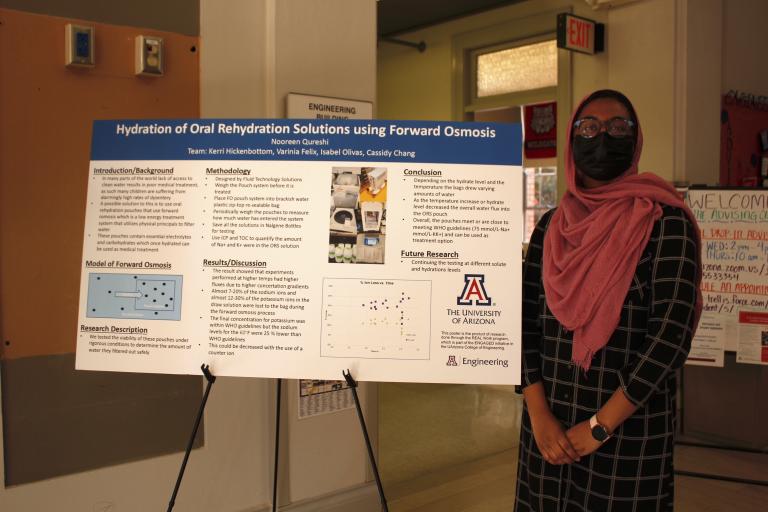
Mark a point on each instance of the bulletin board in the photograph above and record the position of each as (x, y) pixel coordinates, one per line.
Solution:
(725, 406)
(734, 257)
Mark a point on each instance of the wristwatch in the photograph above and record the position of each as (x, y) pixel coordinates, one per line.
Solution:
(599, 431)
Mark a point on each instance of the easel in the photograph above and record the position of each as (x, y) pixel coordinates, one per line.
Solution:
(211, 379)
(353, 386)
(351, 383)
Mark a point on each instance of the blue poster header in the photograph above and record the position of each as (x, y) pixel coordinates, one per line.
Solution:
(308, 139)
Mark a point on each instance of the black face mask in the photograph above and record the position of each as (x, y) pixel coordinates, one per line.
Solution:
(603, 157)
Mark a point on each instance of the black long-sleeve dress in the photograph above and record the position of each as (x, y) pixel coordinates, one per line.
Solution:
(632, 471)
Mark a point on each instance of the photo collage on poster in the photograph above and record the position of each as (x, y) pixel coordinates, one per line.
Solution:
(358, 215)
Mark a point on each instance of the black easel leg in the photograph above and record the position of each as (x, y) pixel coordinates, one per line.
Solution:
(353, 386)
(211, 379)
(277, 444)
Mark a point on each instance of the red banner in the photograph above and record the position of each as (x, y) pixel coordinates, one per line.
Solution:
(541, 130)
(743, 141)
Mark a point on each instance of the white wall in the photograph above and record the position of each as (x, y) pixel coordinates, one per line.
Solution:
(255, 52)
(235, 66)
(325, 48)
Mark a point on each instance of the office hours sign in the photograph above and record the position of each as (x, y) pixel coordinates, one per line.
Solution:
(300, 248)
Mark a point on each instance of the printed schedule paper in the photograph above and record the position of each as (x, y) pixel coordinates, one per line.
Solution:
(301, 248)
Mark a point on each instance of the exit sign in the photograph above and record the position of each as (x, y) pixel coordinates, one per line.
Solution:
(580, 34)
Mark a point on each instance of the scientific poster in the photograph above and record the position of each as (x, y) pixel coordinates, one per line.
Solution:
(300, 248)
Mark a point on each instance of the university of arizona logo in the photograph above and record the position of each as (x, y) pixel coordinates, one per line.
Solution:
(543, 119)
(451, 361)
(474, 291)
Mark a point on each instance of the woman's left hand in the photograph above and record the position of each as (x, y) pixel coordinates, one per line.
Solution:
(580, 436)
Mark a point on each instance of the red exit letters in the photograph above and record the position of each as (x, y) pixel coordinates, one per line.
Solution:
(580, 34)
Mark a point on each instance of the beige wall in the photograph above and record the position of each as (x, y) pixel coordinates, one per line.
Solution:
(668, 56)
(697, 95)
(720, 47)
(251, 52)
(641, 63)
(744, 32)
(673, 58)
(415, 85)
(47, 106)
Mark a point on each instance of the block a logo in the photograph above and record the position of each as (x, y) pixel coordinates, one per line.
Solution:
(474, 291)
(451, 361)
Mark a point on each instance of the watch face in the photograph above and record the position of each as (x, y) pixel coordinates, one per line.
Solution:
(599, 433)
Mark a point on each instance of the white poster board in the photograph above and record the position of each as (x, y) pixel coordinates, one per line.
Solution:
(298, 249)
(734, 254)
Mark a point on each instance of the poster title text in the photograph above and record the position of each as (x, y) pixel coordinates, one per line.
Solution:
(245, 129)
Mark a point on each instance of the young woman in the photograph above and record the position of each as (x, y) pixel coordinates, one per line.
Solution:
(610, 303)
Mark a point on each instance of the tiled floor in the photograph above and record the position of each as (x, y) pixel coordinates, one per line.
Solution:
(485, 485)
(488, 485)
(453, 448)
(426, 427)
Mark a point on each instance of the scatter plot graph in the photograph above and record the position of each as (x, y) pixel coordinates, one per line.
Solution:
(139, 296)
(376, 318)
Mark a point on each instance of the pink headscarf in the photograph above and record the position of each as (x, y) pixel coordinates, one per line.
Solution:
(593, 244)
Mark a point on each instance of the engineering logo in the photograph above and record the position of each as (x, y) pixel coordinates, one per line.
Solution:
(474, 291)
(451, 361)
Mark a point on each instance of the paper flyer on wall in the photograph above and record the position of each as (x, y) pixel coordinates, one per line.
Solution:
(753, 337)
(708, 346)
(317, 397)
(300, 248)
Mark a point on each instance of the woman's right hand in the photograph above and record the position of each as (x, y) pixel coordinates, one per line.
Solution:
(551, 439)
